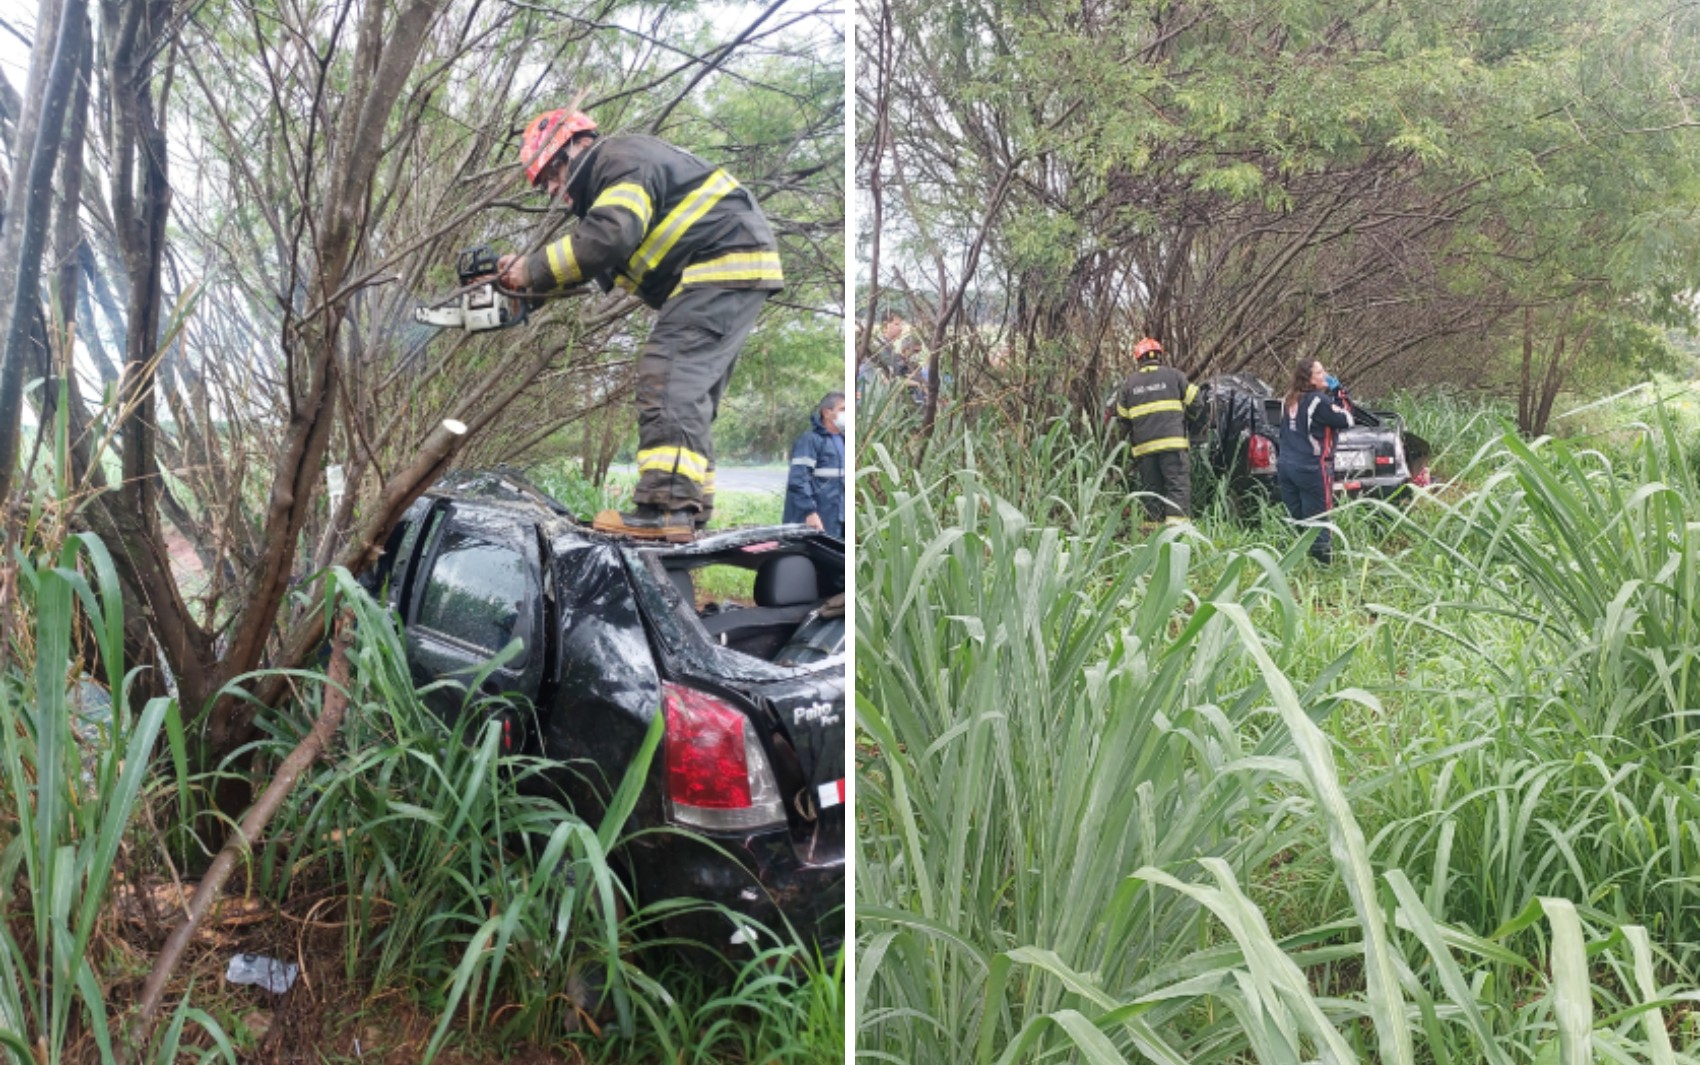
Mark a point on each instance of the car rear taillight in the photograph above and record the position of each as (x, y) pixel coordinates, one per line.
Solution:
(717, 773)
(1257, 452)
(1384, 460)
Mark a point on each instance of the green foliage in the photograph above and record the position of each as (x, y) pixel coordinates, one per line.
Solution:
(783, 373)
(460, 885)
(1582, 790)
(1475, 724)
(563, 480)
(784, 1007)
(1253, 180)
(1022, 750)
(72, 781)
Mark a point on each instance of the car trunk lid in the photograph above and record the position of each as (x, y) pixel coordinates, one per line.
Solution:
(806, 715)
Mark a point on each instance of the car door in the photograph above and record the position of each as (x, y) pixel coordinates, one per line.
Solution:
(478, 588)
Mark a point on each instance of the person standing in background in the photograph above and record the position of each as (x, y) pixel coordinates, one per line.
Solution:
(814, 495)
(1304, 464)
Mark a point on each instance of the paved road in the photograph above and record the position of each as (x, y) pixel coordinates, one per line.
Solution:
(739, 478)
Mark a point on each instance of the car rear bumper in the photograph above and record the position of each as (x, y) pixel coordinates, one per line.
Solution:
(1344, 487)
(760, 878)
(1372, 487)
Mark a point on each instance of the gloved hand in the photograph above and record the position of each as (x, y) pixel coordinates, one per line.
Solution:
(1333, 383)
(514, 273)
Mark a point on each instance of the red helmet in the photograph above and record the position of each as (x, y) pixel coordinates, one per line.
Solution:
(1147, 347)
(547, 135)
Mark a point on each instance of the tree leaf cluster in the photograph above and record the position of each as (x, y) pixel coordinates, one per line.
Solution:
(1390, 188)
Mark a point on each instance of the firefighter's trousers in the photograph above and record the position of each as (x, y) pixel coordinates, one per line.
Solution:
(682, 373)
(1169, 475)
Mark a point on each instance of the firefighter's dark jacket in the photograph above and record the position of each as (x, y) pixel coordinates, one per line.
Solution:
(1153, 403)
(654, 218)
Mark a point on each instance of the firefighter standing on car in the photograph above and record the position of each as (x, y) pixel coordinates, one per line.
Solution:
(1153, 405)
(1304, 463)
(689, 241)
(814, 492)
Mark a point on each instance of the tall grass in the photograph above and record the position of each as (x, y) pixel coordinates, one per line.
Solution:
(69, 796)
(1084, 765)
(459, 883)
(1577, 774)
(466, 881)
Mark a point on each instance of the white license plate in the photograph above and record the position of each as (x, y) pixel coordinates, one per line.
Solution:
(1354, 459)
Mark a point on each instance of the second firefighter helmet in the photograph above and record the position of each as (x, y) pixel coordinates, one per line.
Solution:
(548, 136)
(1146, 348)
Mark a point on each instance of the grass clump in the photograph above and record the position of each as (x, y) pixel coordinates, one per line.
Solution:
(1458, 760)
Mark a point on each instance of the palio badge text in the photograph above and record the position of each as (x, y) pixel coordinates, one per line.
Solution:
(815, 713)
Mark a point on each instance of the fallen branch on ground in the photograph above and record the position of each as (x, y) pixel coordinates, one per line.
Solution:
(254, 823)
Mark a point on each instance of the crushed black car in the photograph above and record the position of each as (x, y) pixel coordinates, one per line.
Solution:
(1377, 457)
(749, 780)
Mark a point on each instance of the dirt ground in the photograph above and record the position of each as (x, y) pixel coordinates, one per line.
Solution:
(323, 1017)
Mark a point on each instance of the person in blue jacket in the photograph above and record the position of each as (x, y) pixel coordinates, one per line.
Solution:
(814, 495)
(1304, 463)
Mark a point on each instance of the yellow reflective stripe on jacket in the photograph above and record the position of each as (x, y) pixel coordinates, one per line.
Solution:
(683, 461)
(681, 218)
(632, 197)
(1162, 443)
(562, 263)
(1191, 394)
(738, 266)
(1154, 407)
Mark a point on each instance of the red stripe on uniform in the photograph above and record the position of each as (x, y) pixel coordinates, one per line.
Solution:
(1327, 477)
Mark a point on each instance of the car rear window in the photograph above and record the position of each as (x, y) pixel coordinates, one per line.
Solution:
(475, 592)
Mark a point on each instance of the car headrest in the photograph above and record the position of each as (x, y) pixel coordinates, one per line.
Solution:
(786, 580)
(687, 588)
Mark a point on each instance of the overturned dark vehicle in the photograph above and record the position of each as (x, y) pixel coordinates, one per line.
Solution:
(1377, 457)
(749, 779)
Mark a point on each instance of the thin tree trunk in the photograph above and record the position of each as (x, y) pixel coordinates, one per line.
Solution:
(384, 58)
(955, 305)
(1557, 373)
(1525, 388)
(30, 207)
(67, 242)
(876, 180)
(436, 455)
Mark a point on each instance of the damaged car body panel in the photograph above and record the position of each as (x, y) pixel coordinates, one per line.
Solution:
(748, 785)
(605, 689)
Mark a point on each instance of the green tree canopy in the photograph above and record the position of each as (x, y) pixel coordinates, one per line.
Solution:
(1389, 187)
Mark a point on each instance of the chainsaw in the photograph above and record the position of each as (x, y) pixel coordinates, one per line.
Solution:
(479, 304)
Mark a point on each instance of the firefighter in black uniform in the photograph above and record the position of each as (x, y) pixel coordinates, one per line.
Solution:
(688, 240)
(1154, 404)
